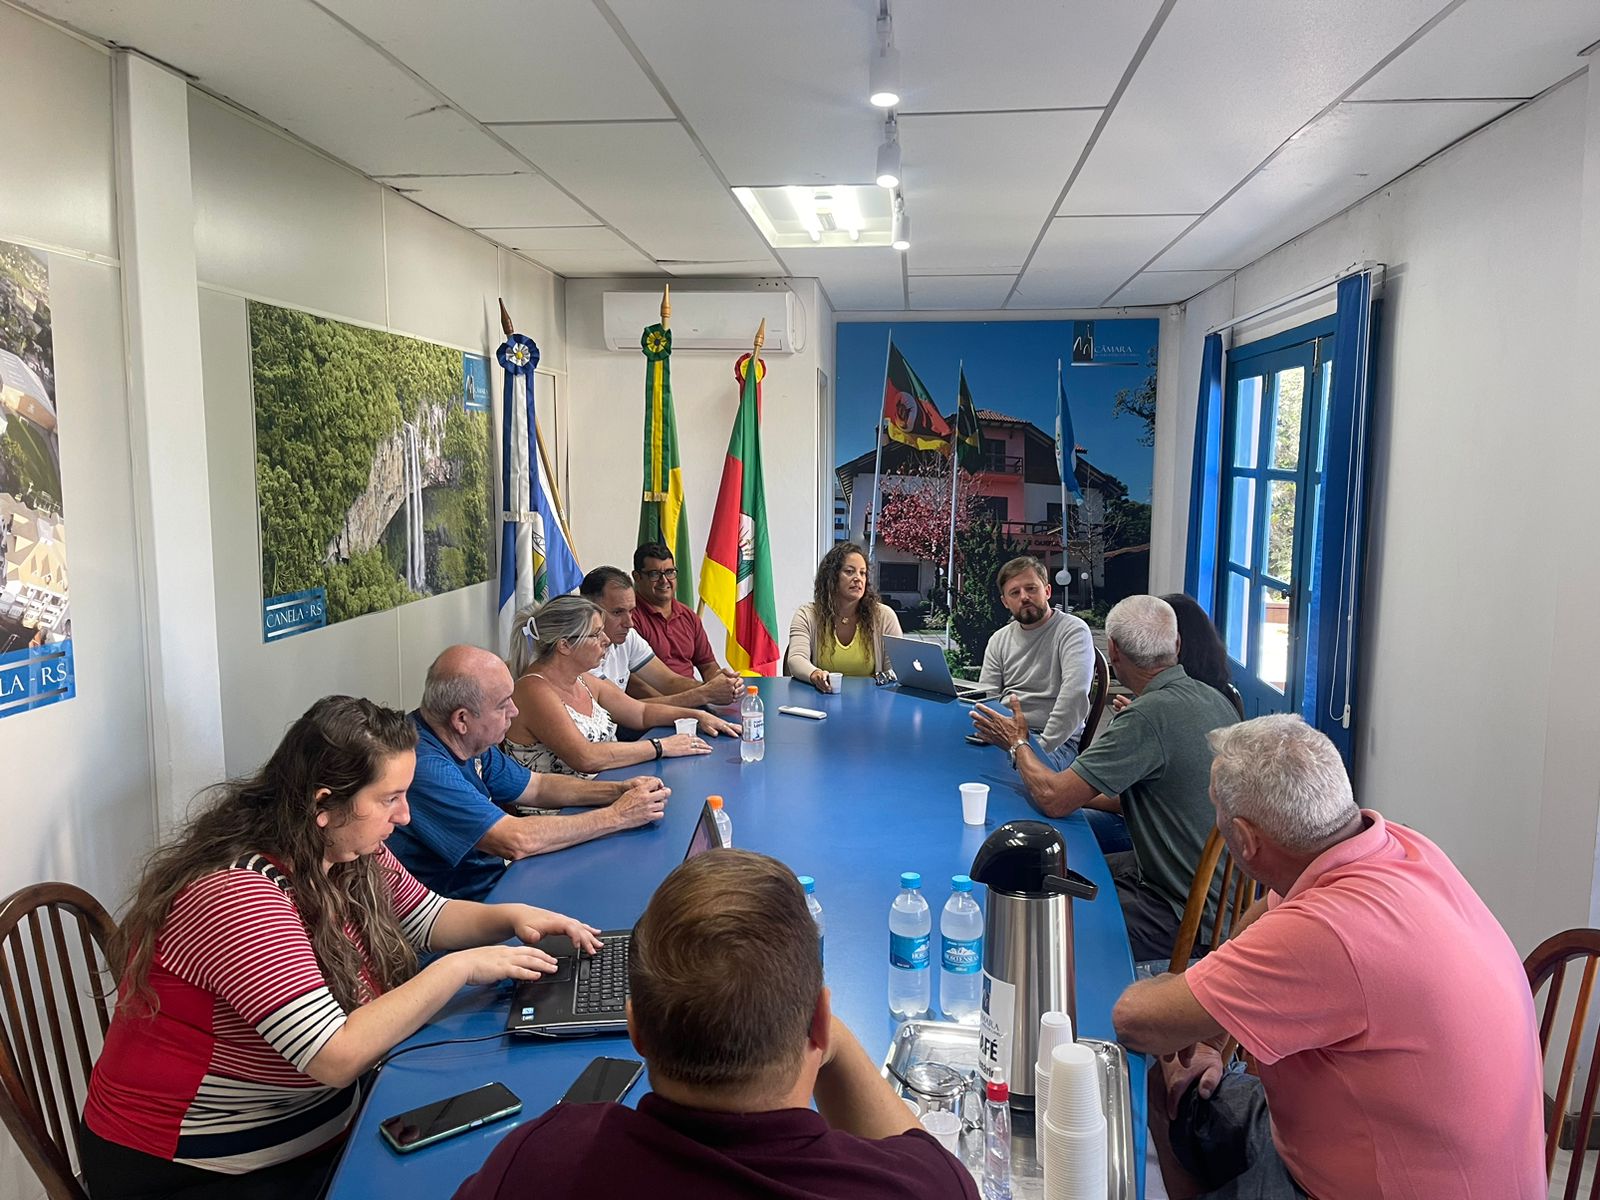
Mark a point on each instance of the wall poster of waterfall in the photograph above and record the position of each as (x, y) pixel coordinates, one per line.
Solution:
(373, 477)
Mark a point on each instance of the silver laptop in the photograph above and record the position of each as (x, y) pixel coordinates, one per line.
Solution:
(921, 667)
(587, 993)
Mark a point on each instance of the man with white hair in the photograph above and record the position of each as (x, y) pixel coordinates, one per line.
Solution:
(1151, 765)
(1376, 991)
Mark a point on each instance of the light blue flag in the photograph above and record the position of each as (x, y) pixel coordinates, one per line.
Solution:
(536, 558)
(1066, 448)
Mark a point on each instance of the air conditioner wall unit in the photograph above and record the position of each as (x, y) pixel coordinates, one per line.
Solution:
(725, 321)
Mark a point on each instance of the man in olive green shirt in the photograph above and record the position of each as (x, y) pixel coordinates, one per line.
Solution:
(1152, 765)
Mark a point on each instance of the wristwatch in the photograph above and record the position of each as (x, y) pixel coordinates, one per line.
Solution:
(656, 742)
(1012, 751)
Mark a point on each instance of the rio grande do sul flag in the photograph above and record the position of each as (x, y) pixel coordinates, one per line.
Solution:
(736, 574)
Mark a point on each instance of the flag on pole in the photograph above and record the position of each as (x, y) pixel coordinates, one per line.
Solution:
(663, 514)
(736, 573)
(912, 416)
(968, 440)
(536, 558)
(1066, 451)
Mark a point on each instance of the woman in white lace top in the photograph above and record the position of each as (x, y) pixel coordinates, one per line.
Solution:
(567, 718)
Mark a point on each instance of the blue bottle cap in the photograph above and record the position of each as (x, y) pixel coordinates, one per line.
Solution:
(960, 883)
(807, 883)
(910, 879)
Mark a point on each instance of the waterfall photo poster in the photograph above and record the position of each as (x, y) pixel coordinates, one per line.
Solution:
(373, 480)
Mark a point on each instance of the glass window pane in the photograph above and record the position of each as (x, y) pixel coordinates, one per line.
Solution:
(1273, 669)
(1280, 531)
(1246, 420)
(1289, 393)
(1322, 423)
(1241, 520)
(1238, 618)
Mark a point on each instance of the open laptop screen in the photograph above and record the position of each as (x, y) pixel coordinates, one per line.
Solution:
(705, 834)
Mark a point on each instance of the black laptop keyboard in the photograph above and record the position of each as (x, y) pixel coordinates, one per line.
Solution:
(603, 979)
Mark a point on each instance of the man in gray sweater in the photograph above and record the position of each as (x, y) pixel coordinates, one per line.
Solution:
(1045, 657)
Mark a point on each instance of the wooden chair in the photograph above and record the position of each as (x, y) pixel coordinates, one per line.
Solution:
(1099, 692)
(52, 1023)
(1237, 893)
(1549, 962)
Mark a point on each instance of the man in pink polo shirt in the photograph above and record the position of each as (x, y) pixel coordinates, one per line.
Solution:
(1387, 1009)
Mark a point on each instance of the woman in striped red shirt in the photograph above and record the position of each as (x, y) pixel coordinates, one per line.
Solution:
(271, 958)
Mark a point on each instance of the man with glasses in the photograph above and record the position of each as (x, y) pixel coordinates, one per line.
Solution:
(671, 627)
(630, 663)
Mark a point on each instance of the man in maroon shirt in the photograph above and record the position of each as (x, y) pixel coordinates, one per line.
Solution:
(729, 1012)
(671, 627)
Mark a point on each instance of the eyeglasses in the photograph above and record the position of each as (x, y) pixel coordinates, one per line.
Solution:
(653, 576)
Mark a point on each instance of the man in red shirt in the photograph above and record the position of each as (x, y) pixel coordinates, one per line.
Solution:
(671, 627)
(1387, 1010)
(728, 1009)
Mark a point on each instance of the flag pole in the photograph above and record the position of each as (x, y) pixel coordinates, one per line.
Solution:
(1063, 456)
(877, 461)
(955, 482)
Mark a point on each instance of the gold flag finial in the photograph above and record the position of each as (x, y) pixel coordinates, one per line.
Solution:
(761, 338)
(666, 304)
(505, 320)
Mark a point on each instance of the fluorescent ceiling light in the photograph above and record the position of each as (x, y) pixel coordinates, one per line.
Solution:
(821, 217)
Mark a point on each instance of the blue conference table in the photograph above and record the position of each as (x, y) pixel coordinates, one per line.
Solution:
(852, 800)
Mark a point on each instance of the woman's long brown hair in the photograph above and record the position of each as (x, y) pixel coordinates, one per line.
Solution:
(828, 571)
(341, 744)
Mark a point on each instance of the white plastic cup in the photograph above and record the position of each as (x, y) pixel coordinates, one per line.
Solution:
(1074, 1163)
(946, 1128)
(1075, 1102)
(1055, 1029)
(687, 726)
(916, 1109)
(974, 802)
(835, 682)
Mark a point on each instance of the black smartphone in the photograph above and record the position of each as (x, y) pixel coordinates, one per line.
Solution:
(445, 1118)
(974, 740)
(604, 1080)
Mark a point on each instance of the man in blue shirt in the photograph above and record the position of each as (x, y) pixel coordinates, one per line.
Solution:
(463, 829)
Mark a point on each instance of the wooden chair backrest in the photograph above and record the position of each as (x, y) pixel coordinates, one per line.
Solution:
(1099, 692)
(1549, 962)
(53, 1019)
(1237, 893)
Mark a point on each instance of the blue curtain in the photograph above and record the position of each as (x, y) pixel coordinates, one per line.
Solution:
(1200, 564)
(1333, 622)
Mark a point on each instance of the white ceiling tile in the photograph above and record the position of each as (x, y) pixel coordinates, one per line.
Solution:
(978, 187)
(750, 266)
(854, 278)
(578, 264)
(1223, 85)
(1055, 54)
(1166, 287)
(1491, 48)
(485, 201)
(959, 291)
(1350, 153)
(558, 237)
(776, 92)
(297, 67)
(576, 68)
(1082, 260)
(648, 181)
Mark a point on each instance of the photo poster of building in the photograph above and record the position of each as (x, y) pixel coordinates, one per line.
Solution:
(35, 613)
(374, 484)
(1011, 503)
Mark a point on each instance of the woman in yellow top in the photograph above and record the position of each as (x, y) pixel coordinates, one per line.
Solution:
(843, 628)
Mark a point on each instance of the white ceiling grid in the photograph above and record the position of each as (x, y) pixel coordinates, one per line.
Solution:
(600, 137)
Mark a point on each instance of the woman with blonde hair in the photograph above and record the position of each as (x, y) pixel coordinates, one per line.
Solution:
(843, 627)
(567, 716)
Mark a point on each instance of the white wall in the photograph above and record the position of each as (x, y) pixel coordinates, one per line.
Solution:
(1479, 713)
(606, 463)
(276, 221)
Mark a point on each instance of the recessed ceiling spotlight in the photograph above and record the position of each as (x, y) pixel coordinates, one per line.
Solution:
(889, 156)
(884, 75)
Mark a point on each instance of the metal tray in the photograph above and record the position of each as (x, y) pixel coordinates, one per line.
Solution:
(957, 1046)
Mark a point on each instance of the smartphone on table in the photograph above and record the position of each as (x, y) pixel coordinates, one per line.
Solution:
(604, 1080)
(434, 1122)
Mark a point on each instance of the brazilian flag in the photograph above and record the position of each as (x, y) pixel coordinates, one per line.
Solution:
(663, 515)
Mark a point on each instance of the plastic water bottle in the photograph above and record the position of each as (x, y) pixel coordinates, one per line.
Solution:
(961, 953)
(723, 820)
(910, 935)
(753, 723)
(814, 906)
(997, 1142)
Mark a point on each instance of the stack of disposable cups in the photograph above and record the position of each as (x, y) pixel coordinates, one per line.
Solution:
(1055, 1029)
(1072, 1132)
